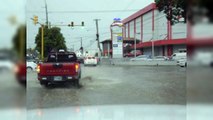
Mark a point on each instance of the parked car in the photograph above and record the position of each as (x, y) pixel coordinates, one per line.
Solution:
(31, 65)
(90, 61)
(141, 58)
(132, 53)
(178, 56)
(160, 58)
(60, 67)
(182, 62)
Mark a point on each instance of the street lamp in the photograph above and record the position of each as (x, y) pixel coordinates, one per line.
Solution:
(135, 43)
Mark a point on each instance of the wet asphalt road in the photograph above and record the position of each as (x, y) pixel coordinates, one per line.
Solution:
(113, 85)
(12, 94)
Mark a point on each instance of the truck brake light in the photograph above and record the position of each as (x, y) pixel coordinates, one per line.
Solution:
(38, 68)
(76, 67)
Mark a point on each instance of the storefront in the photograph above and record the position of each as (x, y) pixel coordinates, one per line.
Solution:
(155, 32)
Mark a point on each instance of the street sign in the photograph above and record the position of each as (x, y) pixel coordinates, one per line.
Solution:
(115, 45)
(117, 39)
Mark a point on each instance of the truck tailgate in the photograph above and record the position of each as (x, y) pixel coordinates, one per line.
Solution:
(57, 69)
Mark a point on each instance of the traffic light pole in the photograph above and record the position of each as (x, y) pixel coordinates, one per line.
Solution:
(22, 42)
(35, 20)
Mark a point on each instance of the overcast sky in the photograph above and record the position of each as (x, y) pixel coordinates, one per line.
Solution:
(10, 8)
(65, 11)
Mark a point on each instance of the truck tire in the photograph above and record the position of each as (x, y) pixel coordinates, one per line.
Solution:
(76, 83)
(44, 84)
(22, 83)
(29, 69)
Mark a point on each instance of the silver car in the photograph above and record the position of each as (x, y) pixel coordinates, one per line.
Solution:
(141, 58)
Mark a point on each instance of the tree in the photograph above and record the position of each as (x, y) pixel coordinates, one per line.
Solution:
(53, 40)
(174, 9)
(19, 41)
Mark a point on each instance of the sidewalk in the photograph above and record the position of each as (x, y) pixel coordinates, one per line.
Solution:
(127, 62)
(146, 63)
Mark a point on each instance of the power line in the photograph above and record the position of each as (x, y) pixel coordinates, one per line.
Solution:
(128, 5)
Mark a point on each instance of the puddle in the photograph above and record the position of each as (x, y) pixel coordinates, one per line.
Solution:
(99, 81)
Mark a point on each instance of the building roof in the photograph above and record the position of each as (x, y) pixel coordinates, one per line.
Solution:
(139, 13)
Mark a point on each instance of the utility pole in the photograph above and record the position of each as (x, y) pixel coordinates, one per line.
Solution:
(97, 35)
(81, 48)
(81, 42)
(135, 46)
(47, 22)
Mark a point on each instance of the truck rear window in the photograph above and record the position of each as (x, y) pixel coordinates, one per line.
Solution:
(62, 58)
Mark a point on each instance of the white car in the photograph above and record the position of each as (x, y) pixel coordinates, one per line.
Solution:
(90, 61)
(178, 56)
(182, 62)
(140, 58)
(6, 63)
(31, 66)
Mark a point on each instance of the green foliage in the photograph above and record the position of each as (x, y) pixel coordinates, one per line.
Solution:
(53, 40)
(173, 9)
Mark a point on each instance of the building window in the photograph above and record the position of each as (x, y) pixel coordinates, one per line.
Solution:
(138, 28)
(131, 32)
(126, 27)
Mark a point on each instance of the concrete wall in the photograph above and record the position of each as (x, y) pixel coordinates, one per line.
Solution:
(179, 30)
(147, 51)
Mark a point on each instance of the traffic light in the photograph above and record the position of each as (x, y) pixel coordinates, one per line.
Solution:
(82, 23)
(35, 20)
(72, 24)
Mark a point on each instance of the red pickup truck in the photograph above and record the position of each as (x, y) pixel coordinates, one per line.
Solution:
(20, 72)
(60, 67)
